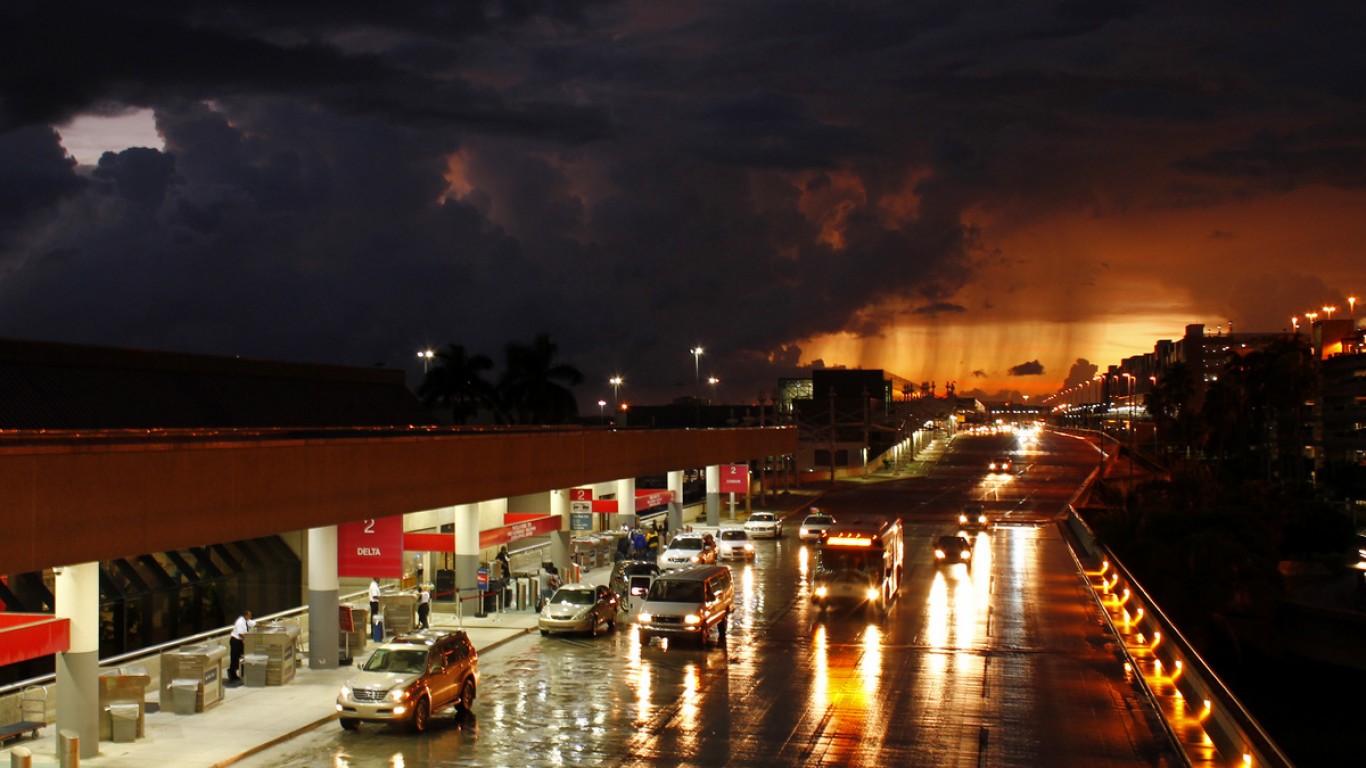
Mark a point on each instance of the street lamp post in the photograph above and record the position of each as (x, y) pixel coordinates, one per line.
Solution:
(713, 381)
(602, 415)
(426, 356)
(615, 381)
(697, 375)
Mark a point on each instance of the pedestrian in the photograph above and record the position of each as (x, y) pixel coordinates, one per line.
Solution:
(237, 645)
(506, 560)
(623, 547)
(550, 581)
(424, 606)
(652, 542)
(638, 543)
(374, 599)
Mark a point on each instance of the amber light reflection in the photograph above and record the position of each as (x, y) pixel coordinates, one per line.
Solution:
(803, 563)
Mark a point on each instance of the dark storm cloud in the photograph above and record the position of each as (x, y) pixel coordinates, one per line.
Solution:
(1081, 372)
(348, 181)
(1031, 368)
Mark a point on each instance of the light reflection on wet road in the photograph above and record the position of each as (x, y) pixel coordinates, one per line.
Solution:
(1003, 662)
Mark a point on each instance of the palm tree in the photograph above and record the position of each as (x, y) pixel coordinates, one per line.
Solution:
(456, 382)
(535, 389)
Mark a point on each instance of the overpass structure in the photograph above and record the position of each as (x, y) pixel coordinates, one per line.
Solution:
(75, 497)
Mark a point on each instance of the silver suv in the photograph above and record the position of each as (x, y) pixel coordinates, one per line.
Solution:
(409, 678)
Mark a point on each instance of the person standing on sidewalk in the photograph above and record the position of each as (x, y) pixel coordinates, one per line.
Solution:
(374, 599)
(424, 606)
(237, 644)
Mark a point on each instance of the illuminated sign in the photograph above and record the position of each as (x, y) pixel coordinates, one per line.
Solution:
(371, 548)
(735, 478)
(849, 541)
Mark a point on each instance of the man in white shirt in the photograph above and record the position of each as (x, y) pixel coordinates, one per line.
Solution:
(237, 644)
(424, 606)
(374, 599)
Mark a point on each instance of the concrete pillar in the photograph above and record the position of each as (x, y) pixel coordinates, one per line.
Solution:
(626, 502)
(714, 495)
(78, 669)
(675, 514)
(324, 632)
(466, 550)
(559, 541)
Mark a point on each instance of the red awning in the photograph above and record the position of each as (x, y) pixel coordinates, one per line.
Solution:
(25, 636)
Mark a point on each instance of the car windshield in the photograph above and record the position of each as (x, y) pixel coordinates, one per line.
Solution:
(669, 591)
(952, 542)
(761, 517)
(734, 536)
(820, 520)
(635, 569)
(573, 596)
(686, 543)
(403, 662)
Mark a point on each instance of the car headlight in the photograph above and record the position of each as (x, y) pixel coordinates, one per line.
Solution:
(872, 593)
(965, 554)
(398, 694)
(695, 559)
(962, 519)
(749, 547)
(345, 692)
(644, 618)
(939, 554)
(692, 618)
(822, 591)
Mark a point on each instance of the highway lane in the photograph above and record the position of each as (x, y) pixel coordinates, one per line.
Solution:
(1005, 662)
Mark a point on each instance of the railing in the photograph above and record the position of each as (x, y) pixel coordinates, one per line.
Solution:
(1235, 734)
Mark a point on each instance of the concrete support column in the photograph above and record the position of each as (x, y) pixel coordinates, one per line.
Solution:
(466, 550)
(324, 631)
(626, 502)
(714, 495)
(77, 598)
(675, 515)
(559, 541)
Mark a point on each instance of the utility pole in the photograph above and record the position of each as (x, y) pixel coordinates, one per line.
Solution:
(832, 435)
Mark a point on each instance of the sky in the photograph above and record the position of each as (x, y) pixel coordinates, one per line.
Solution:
(988, 194)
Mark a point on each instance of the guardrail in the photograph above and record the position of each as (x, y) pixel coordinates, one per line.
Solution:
(1164, 659)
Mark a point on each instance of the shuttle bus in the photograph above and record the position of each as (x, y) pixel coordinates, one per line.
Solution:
(859, 562)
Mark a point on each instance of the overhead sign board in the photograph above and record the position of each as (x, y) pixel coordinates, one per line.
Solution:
(734, 478)
(371, 548)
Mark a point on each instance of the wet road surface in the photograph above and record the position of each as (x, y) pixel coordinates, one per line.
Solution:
(1004, 662)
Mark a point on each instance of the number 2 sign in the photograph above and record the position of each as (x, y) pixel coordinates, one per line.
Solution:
(371, 548)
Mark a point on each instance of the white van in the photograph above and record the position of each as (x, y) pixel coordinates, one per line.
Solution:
(688, 604)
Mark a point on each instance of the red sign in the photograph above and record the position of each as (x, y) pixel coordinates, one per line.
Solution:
(644, 500)
(371, 548)
(735, 478)
(523, 530)
(580, 494)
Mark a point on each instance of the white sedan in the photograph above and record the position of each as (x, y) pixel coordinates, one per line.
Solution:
(734, 544)
(764, 525)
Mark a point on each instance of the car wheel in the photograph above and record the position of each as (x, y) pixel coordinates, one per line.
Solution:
(467, 693)
(545, 632)
(422, 712)
(350, 724)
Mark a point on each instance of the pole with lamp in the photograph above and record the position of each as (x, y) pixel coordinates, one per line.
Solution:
(713, 381)
(696, 353)
(615, 381)
(602, 415)
(426, 355)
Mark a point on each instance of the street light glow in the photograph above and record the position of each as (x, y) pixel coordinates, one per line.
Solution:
(425, 355)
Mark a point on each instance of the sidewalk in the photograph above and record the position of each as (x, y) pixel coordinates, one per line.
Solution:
(249, 720)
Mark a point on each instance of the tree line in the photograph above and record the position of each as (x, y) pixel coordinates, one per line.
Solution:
(533, 388)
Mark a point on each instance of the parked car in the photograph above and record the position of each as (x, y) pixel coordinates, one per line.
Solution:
(687, 549)
(952, 549)
(814, 525)
(411, 677)
(1001, 464)
(579, 608)
(974, 515)
(735, 544)
(764, 525)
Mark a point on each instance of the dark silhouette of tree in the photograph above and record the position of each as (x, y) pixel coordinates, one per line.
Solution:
(535, 388)
(1173, 404)
(456, 382)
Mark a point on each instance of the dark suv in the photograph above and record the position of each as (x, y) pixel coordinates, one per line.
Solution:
(409, 678)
